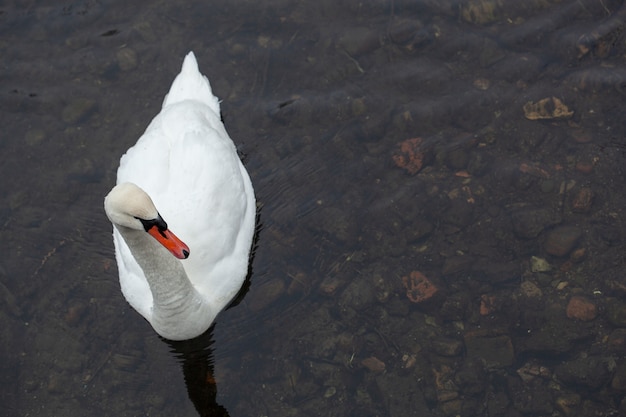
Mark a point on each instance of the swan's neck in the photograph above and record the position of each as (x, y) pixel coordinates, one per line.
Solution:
(177, 306)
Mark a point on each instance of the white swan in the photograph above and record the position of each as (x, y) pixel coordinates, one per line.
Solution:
(184, 170)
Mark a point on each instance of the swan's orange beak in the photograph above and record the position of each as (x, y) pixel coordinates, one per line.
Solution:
(177, 247)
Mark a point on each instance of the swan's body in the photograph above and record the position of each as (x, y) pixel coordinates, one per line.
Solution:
(184, 168)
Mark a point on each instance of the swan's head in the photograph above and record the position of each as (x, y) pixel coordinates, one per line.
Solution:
(129, 206)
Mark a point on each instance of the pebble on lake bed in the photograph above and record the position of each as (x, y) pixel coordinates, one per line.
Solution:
(126, 59)
(374, 364)
(77, 110)
(562, 240)
(266, 294)
(582, 200)
(35, 136)
(409, 155)
(547, 108)
(581, 308)
(75, 313)
(418, 287)
(538, 264)
(487, 304)
(530, 290)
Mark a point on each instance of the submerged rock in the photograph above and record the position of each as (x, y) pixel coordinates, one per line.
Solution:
(539, 264)
(494, 351)
(126, 59)
(616, 313)
(591, 372)
(447, 346)
(581, 308)
(358, 40)
(265, 295)
(583, 200)
(419, 289)
(77, 110)
(529, 222)
(374, 364)
(562, 240)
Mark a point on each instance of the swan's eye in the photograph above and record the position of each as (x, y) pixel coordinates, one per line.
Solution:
(158, 222)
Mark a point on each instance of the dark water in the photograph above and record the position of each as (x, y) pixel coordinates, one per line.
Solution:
(322, 99)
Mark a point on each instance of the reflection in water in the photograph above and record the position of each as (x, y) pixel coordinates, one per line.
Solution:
(196, 359)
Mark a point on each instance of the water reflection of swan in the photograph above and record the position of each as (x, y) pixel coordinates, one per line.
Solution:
(184, 169)
(196, 359)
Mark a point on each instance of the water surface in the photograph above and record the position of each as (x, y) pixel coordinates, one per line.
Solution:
(382, 138)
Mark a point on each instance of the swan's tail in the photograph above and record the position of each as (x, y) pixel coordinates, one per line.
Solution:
(190, 84)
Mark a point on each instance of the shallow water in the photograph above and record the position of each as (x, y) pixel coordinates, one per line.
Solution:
(321, 100)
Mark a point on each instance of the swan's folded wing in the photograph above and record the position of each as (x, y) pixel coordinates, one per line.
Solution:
(207, 202)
